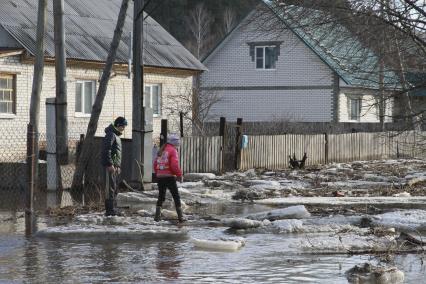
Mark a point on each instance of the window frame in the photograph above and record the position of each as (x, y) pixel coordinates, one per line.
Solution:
(351, 99)
(274, 47)
(12, 76)
(160, 99)
(82, 82)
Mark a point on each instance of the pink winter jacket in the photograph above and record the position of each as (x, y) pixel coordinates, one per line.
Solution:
(167, 164)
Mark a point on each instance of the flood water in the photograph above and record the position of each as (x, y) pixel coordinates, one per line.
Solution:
(266, 258)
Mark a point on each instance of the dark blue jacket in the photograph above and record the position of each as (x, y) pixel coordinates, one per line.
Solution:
(111, 147)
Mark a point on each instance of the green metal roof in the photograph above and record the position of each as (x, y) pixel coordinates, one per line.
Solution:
(335, 45)
(417, 81)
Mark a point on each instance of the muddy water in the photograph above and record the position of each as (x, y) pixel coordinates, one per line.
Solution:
(266, 258)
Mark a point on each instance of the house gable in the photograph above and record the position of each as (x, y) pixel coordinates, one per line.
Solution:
(299, 88)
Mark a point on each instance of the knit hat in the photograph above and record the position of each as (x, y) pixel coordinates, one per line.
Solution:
(120, 121)
(173, 139)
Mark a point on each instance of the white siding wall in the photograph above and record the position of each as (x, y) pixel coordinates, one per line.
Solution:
(231, 66)
(274, 105)
(369, 108)
(118, 100)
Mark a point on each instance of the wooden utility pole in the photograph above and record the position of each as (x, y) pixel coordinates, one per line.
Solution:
(33, 134)
(100, 96)
(61, 85)
(181, 123)
(38, 69)
(222, 133)
(238, 142)
(163, 133)
(137, 101)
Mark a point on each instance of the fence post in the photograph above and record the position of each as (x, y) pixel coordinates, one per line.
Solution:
(237, 143)
(163, 133)
(326, 147)
(31, 160)
(53, 170)
(222, 131)
(181, 123)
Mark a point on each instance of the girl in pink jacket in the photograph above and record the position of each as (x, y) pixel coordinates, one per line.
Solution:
(167, 170)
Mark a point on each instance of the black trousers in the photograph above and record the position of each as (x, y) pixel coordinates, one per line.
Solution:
(110, 185)
(164, 184)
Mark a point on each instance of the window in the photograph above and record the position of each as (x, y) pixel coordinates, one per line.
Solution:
(355, 108)
(265, 57)
(7, 94)
(84, 97)
(153, 98)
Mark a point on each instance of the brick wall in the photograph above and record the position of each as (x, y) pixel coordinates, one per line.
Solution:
(118, 100)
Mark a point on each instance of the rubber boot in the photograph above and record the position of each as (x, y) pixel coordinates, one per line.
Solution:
(109, 207)
(179, 212)
(157, 217)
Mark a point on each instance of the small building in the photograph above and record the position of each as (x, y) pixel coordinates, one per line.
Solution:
(89, 27)
(276, 67)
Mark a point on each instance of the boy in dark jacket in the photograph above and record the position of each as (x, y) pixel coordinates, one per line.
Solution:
(111, 161)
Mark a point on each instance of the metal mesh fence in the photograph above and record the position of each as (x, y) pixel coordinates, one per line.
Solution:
(14, 173)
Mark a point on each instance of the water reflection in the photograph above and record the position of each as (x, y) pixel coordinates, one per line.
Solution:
(109, 257)
(168, 263)
(31, 260)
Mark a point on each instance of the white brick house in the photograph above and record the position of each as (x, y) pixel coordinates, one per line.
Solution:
(269, 69)
(168, 67)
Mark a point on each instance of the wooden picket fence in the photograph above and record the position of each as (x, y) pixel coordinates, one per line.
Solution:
(201, 154)
(273, 151)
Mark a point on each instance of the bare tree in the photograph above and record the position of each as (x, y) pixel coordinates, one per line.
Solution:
(389, 43)
(195, 105)
(87, 149)
(229, 19)
(199, 22)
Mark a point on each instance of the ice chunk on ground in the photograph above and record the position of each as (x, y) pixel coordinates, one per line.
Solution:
(168, 214)
(134, 197)
(409, 220)
(241, 223)
(334, 220)
(384, 200)
(198, 176)
(230, 244)
(295, 184)
(192, 184)
(292, 212)
(355, 184)
(374, 177)
(100, 232)
(402, 194)
(347, 243)
(288, 226)
(250, 173)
